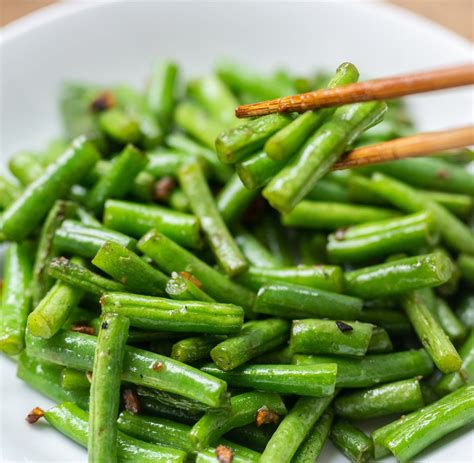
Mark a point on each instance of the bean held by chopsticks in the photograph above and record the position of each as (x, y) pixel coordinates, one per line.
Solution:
(145, 264)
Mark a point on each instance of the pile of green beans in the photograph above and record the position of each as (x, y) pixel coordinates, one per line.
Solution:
(188, 286)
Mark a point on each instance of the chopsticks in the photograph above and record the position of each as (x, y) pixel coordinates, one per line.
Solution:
(378, 89)
(406, 147)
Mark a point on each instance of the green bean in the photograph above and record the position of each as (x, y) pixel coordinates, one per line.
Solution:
(84, 240)
(42, 282)
(202, 203)
(352, 442)
(161, 94)
(276, 239)
(454, 232)
(318, 215)
(319, 152)
(234, 199)
(448, 320)
(222, 451)
(288, 140)
(391, 398)
(72, 421)
(26, 213)
(78, 276)
(294, 301)
(182, 316)
(325, 277)
(399, 276)
(162, 163)
(53, 310)
(466, 265)
(312, 336)
(328, 191)
(379, 342)
(429, 173)
(378, 239)
(430, 333)
(294, 429)
(105, 388)
(212, 94)
(87, 219)
(9, 192)
(74, 380)
(239, 142)
(465, 311)
(452, 381)
(197, 123)
(15, 297)
(137, 219)
(179, 201)
(409, 435)
(119, 180)
(179, 142)
(120, 126)
(310, 380)
(254, 251)
(183, 288)
(76, 350)
(458, 204)
(255, 338)
(281, 356)
(393, 321)
(45, 378)
(170, 257)
(129, 269)
(245, 409)
(26, 167)
(257, 169)
(195, 349)
(311, 447)
(373, 369)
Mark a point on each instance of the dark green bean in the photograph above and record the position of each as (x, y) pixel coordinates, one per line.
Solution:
(393, 321)
(254, 251)
(466, 265)
(328, 191)
(352, 442)
(196, 349)
(281, 356)
(137, 219)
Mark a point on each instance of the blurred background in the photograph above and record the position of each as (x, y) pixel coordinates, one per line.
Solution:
(457, 15)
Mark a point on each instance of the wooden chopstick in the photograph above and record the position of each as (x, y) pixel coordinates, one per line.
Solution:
(378, 89)
(407, 147)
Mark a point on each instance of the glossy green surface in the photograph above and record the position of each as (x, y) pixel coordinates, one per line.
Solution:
(196, 349)
(257, 169)
(180, 288)
(352, 442)
(254, 251)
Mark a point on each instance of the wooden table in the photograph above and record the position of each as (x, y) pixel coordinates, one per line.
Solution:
(457, 15)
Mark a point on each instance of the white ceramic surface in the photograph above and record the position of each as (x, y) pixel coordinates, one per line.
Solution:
(117, 41)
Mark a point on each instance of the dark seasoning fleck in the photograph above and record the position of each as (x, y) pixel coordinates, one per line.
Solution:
(343, 327)
(105, 325)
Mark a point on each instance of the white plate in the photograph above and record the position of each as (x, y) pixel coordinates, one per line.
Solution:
(117, 41)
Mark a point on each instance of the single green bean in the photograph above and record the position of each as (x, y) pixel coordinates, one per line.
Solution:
(399, 276)
(391, 398)
(170, 257)
(182, 316)
(325, 277)
(465, 311)
(9, 192)
(162, 90)
(129, 269)
(449, 321)
(331, 216)
(352, 442)
(313, 336)
(311, 447)
(379, 342)
(466, 265)
(288, 140)
(454, 232)
(294, 301)
(119, 180)
(76, 350)
(373, 369)
(254, 251)
(244, 410)
(25, 166)
(105, 388)
(74, 380)
(137, 219)
(179, 201)
(452, 381)
(165, 162)
(276, 238)
(328, 191)
(409, 435)
(26, 213)
(15, 297)
(84, 240)
(252, 436)
(195, 349)
(183, 288)
(393, 321)
(46, 378)
(294, 429)
(281, 356)
(255, 338)
(234, 199)
(309, 380)
(458, 204)
(72, 421)
(319, 152)
(257, 169)
(202, 203)
(120, 125)
(239, 142)
(430, 333)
